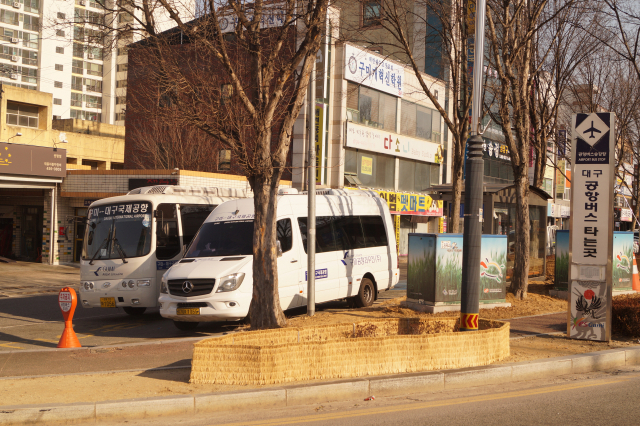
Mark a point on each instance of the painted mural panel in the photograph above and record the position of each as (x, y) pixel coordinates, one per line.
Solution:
(562, 261)
(421, 267)
(493, 267)
(588, 310)
(622, 260)
(448, 268)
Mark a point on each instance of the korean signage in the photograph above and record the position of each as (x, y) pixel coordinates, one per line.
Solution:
(625, 215)
(591, 239)
(494, 149)
(140, 183)
(383, 142)
(32, 160)
(411, 204)
(560, 179)
(366, 68)
(273, 15)
(319, 126)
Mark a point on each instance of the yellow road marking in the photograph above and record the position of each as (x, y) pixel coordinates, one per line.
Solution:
(47, 340)
(8, 345)
(422, 405)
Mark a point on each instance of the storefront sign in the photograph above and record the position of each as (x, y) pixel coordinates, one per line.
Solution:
(32, 160)
(140, 183)
(625, 215)
(411, 204)
(383, 142)
(590, 285)
(274, 15)
(560, 179)
(495, 150)
(366, 68)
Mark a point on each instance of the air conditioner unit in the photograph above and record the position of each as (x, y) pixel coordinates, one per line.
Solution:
(83, 3)
(14, 58)
(16, 4)
(89, 55)
(15, 76)
(14, 39)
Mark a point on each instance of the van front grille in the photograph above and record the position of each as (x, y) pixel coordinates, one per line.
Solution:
(199, 287)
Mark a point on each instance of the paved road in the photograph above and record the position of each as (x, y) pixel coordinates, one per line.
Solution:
(581, 400)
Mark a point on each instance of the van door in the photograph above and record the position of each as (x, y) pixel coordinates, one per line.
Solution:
(350, 241)
(168, 241)
(288, 265)
(327, 284)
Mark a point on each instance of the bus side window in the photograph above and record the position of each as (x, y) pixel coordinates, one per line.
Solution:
(283, 230)
(167, 238)
(374, 232)
(192, 216)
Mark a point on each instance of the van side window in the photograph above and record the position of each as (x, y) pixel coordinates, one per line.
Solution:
(374, 232)
(192, 216)
(348, 232)
(283, 234)
(167, 238)
(325, 240)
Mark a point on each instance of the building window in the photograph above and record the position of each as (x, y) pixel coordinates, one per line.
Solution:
(420, 122)
(59, 49)
(122, 67)
(120, 116)
(121, 83)
(57, 84)
(93, 101)
(92, 85)
(226, 91)
(224, 160)
(78, 50)
(371, 13)
(56, 117)
(30, 23)
(77, 67)
(121, 100)
(59, 67)
(93, 69)
(76, 83)
(416, 176)
(22, 115)
(373, 170)
(371, 107)
(60, 33)
(76, 99)
(123, 51)
(57, 101)
(61, 15)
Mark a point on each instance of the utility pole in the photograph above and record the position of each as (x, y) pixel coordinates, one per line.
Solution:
(473, 190)
(311, 217)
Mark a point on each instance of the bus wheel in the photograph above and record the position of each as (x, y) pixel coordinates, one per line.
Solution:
(366, 294)
(134, 311)
(185, 326)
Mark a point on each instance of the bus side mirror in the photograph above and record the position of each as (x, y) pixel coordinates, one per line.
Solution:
(279, 248)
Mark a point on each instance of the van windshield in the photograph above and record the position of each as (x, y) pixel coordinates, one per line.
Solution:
(119, 230)
(231, 238)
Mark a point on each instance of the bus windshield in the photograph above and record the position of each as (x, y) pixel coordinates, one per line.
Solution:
(232, 238)
(118, 231)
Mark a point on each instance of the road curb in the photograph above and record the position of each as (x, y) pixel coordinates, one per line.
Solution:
(357, 388)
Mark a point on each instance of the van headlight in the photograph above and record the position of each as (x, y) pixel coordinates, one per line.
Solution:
(164, 287)
(230, 282)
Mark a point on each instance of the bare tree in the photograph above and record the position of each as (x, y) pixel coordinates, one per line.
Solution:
(513, 26)
(239, 74)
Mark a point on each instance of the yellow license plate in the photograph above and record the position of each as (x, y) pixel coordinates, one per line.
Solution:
(107, 302)
(188, 311)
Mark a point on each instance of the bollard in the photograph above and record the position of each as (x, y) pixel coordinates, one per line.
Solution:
(67, 300)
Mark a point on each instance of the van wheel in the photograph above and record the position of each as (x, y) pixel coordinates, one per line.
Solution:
(185, 326)
(133, 310)
(366, 294)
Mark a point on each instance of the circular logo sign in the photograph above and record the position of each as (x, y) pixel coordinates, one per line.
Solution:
(224, 23)
(187, 287)
(353, 64)
(64, 300)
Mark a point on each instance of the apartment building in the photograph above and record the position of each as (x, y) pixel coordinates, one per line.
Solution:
(58, 47)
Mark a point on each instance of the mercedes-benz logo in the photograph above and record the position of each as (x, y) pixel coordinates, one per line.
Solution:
(187, 286)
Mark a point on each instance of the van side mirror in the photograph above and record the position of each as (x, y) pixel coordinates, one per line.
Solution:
(279, 248)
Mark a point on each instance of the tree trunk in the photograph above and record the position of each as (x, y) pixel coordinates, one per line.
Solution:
(520, 276)
(265, 310)
(456, 188)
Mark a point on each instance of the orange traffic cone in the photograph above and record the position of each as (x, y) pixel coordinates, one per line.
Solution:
(636, 278)
(68, 300)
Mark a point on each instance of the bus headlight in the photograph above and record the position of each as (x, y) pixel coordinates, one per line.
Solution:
(230, 282)
(164, 288)
(131, 283)
(143, 283)
(88, 286)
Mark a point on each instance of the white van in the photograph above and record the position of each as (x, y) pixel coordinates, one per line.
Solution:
(355, 257)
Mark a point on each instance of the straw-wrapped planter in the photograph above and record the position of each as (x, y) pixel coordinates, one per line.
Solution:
(368, 348)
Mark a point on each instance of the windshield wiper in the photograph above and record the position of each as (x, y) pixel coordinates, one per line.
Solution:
(106, 240)
(123, 255)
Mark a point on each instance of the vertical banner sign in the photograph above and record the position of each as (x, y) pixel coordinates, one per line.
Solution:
(591, 241)
(396, 223)
(319, 141)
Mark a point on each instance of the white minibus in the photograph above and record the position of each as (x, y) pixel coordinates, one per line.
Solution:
(355, 257)
(131, 240)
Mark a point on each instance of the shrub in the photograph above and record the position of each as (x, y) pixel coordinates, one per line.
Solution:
(625, 315)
